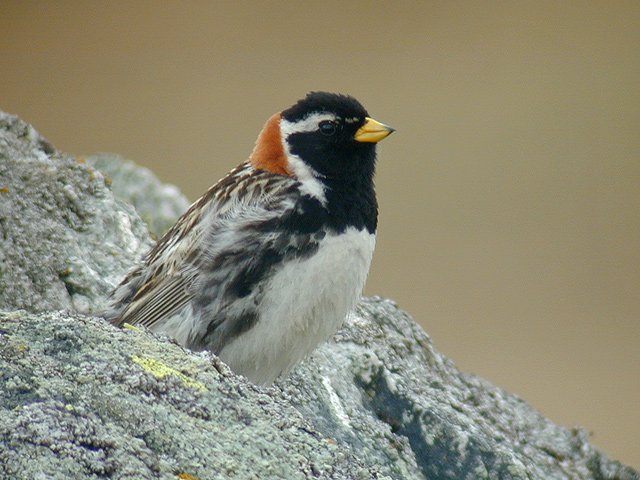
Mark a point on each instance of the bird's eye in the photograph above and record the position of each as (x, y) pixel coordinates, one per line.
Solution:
(327, 127)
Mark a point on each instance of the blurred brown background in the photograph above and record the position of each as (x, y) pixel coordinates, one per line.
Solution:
(510, 219)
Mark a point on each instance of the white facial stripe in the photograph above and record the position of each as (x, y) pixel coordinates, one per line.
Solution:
(308, 124)
(308, 177)
(311, 185)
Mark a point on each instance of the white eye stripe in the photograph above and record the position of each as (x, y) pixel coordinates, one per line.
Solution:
(307, 124)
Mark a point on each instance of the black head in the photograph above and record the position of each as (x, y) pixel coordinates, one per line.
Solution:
(341, 105)
(325, 130)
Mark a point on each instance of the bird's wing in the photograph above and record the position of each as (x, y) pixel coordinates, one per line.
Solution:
(167, 279)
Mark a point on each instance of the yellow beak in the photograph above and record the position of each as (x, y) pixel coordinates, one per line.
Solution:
(372, 131)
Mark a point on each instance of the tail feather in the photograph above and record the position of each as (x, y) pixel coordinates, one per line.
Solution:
(121, 297)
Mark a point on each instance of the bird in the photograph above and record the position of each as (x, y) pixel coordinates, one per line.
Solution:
(268, 263)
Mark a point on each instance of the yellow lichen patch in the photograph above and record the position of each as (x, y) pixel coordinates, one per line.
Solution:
(160, 370)
(187, 476)
(4, 189)
(128, 326)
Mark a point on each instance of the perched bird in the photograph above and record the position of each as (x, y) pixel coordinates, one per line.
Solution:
(269, 261)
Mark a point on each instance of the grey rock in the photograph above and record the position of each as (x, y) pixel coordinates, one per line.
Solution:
(81, 399)
(159, 204)
(65, 240)
(380, 387)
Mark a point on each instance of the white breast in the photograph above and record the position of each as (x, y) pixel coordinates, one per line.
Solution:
(305, 302)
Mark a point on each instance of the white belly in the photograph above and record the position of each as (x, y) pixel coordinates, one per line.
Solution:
(306, 301)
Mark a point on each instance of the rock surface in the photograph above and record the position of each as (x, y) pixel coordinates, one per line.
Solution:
(159, 204)
(80, 399)
(65, 239)
(382, 388)
(83, 400)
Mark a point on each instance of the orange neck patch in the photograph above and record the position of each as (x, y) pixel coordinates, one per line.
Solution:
(268, 154)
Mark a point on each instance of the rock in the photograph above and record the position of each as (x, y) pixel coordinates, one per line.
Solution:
(66, 240)
(159, 204)
(81, 399)
(382, 388)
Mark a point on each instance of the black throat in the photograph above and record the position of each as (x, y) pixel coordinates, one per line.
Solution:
(347, 177)
(351, 200)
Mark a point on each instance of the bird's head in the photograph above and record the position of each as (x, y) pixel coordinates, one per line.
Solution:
(323, 136)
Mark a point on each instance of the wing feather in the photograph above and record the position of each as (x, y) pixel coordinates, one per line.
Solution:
(166, 281)
(169, 295)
